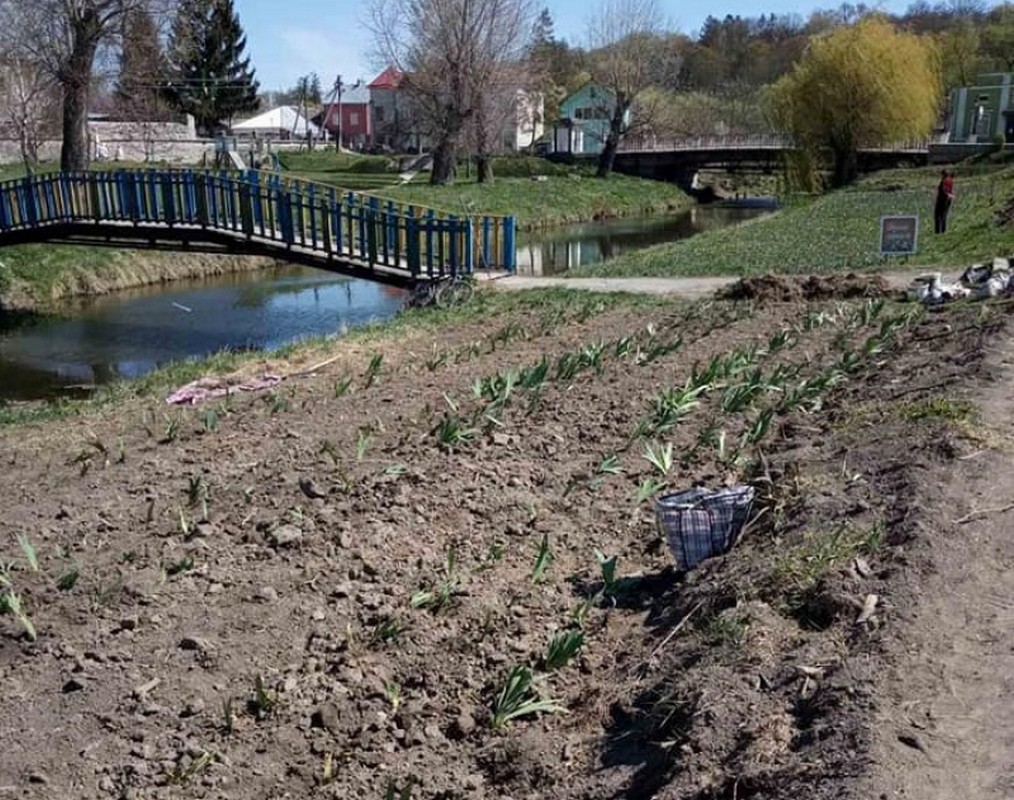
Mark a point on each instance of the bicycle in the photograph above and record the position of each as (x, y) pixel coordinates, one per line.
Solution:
(441, 292)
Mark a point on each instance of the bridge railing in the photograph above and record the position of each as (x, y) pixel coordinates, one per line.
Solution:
(648, 143)
(765, 141)
(322, 219)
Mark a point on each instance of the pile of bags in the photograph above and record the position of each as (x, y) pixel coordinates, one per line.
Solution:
(977, 282)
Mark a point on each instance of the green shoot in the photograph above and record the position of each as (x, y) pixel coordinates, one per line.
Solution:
(29, 552)
(542, 560)
(342, 386)
(442, 595)
(562, 648)
(373, 370)
(517, 698)
(660, 457)
(392, 693)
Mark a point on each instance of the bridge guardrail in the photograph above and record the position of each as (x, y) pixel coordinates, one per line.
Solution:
(333, 223)
(773, 141)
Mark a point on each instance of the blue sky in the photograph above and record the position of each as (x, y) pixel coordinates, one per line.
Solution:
(286, 40)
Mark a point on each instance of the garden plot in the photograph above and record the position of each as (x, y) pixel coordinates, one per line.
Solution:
(432, 570)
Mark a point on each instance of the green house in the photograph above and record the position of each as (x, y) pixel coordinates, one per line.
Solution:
(584, 121)
(981, 112)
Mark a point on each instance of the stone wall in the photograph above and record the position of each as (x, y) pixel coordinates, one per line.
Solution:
(171, 142)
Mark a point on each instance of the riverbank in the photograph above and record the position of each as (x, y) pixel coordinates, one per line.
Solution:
(433, 562)
(35, 277)
(538, 193)
(840, 230)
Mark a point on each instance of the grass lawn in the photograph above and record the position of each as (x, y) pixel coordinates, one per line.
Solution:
(840, 230)
(568, 193)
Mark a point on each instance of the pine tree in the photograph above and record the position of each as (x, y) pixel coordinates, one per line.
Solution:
(142, 68)
(209, 77)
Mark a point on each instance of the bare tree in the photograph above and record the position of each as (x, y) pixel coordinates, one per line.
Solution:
(453, 54)
(625, 37)
(26, 95)
(63, 36)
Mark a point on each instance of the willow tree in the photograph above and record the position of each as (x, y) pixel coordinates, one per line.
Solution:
(454, 54)
(866, 85)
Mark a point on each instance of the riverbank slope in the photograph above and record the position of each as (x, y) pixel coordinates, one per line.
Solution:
(840, 231)
(433, 561)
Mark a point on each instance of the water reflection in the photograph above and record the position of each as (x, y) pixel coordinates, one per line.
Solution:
(130, 333)
(575, 246)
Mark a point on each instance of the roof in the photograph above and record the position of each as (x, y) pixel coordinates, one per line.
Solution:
(390, 78)
(355, 96)
(283, 118)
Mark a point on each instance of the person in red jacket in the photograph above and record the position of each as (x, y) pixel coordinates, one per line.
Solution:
(945, 196)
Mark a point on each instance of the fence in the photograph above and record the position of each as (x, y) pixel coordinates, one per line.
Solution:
(332, 223)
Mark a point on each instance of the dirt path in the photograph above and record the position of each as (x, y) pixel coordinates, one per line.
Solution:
(945, 728)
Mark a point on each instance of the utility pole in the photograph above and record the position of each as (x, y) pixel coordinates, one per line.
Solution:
(336, 91)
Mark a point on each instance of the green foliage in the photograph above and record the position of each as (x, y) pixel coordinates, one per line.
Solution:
(562, 648)
(208, 75)
(543, 559)
(839, 231)
(518, 698)
(859, 86)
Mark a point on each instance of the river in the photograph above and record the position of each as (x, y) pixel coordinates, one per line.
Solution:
(129, 333)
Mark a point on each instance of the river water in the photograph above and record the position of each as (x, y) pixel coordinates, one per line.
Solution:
(126, 334)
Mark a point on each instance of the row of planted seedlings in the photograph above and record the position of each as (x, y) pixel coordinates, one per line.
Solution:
(521, 692)
(739, 384)
(524, 689)
(524, 386)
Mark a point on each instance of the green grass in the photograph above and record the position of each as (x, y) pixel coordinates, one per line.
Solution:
(568, 194)
(486, 305)
(839, 231)
(557, 200)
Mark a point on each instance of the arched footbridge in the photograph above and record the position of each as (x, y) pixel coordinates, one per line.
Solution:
(257, 214)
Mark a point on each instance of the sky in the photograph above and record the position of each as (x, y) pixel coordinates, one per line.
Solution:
(288, 39)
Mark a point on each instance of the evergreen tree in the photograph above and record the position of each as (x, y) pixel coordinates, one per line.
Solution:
(209, 76)
(142, 68)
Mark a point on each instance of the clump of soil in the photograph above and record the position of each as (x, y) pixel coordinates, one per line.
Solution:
(763, 288)
(773, 288)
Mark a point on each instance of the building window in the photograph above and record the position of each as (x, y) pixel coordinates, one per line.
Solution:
(379, 110)
(353, 118)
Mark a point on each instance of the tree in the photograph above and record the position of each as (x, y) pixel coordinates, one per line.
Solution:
(26, 97)
(625, 37)
(141, 81)
(453, 54)
(859, 86)
(62, 37)
(209, 77)
(998, 37)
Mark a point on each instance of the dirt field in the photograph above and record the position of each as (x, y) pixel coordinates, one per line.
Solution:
(320, 590)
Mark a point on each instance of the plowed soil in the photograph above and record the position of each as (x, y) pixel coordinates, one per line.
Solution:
(320, 591)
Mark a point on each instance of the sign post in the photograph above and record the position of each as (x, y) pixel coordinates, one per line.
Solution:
(899, 236)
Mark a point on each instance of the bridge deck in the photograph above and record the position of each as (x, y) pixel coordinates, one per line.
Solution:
(244, 212)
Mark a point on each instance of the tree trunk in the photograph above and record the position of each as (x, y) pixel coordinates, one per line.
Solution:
(485, 165)
(445, 156)
(612, 143)
(76, 80)
(846, 167)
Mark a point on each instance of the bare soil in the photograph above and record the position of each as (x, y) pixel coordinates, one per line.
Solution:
(223, 599)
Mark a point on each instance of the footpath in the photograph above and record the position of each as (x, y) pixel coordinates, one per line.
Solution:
(691, 288)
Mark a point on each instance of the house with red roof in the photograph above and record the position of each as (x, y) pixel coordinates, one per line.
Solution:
(391, 110)
(350, 116)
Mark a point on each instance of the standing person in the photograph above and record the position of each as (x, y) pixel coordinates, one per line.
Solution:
(945, 196)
